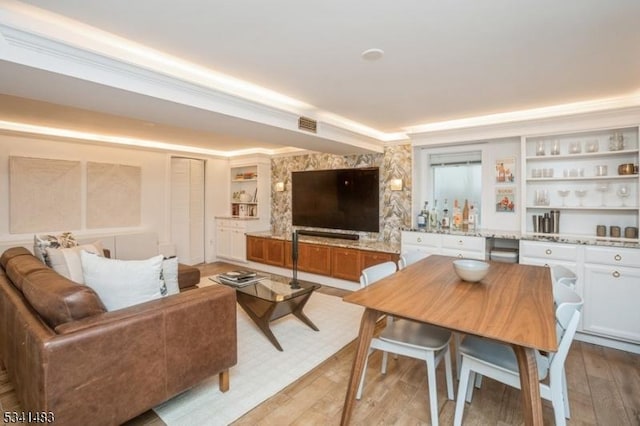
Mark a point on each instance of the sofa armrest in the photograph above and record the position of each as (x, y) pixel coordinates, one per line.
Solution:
(140, 356)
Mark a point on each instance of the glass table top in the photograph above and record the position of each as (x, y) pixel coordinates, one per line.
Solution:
(274, 288)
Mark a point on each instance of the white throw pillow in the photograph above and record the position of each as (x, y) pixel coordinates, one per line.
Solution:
(170, 275)
(122, 283)
(66, 261)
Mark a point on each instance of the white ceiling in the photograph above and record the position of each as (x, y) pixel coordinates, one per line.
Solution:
(443, 60)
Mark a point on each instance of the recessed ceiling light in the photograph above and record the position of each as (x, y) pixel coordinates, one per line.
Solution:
(372, 54)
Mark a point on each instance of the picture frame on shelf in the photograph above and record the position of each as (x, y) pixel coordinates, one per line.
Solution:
(505, 170)
(505, 200)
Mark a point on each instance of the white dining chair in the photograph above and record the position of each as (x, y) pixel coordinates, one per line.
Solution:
(563, 275)
(412, 339)
(411, 257)
(498, 361)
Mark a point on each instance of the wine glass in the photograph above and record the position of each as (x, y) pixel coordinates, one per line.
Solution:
(623, 192)
(603, 188)
(580, 193)
(563, 193)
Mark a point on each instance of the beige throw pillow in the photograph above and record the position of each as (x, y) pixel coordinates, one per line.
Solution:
(66, 261)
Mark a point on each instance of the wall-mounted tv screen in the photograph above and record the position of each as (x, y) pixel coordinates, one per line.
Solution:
(346, 199)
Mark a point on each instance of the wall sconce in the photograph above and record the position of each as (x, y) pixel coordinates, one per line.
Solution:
(395, 184)
(279, 186)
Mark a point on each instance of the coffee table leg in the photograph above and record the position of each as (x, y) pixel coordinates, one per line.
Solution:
(297, 311)
(263, 322)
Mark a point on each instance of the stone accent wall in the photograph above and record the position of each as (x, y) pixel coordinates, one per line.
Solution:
(395, 206)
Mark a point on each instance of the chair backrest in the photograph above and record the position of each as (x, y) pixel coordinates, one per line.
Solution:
(568, 308)
(376, 272)
(563, 275)
(411, 257)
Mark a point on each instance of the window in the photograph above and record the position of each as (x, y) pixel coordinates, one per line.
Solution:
(456, 176)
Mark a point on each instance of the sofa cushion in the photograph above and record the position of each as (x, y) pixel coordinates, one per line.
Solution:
(59, 300)
(122, 283)
(189, 276)
(18, 264)
(66, 261)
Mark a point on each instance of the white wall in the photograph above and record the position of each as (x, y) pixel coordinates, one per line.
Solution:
(156, 194)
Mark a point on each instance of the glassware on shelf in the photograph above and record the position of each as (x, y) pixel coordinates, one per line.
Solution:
(541, 148)
(575, 147)
(603, 188)
(592, 145)
(563, 193)
(616, 141)
(601, 170)
(555, 147)
(541, 197)
(623, 192)
(580, 193)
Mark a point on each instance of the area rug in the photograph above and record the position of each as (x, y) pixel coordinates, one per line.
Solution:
(262, 370)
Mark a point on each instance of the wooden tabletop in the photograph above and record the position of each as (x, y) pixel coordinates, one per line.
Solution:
(513, 303)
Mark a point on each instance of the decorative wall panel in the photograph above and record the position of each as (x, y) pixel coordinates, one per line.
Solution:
(113, 195)
(395, 206)
(44, 195)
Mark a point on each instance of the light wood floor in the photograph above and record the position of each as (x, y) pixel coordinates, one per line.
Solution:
(604, 389)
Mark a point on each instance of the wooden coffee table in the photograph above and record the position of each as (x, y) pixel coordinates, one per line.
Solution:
(272, 298)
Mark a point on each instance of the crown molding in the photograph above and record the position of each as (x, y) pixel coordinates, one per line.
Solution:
(28, 43)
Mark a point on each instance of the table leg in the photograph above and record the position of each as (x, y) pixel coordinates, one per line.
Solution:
(367, 325)
(297, 311)
(531, 403)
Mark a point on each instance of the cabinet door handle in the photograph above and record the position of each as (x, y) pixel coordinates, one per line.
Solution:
(546, 265)
(617, 257)
(460, 255)
(548, 251)
(460, 242)
(419, 239)
(616, 274)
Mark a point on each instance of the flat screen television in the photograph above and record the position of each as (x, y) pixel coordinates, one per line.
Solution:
(346, 199)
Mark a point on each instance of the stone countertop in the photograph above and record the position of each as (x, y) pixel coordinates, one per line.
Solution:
(516, 235)
(361, 244)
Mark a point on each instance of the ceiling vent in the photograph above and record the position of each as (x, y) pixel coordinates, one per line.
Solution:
(307, 124)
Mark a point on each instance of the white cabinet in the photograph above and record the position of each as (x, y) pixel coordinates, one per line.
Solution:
(421, 241)
(445, 244)
(612, 293)
(464, 246)
(231, 241)
(544, 253)
(577, 175)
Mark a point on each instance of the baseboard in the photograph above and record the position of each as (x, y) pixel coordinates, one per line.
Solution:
(610, 343)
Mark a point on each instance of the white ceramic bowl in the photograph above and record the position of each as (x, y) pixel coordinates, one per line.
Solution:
(470, 270)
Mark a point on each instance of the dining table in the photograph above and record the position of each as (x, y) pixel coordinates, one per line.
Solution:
(513, 304)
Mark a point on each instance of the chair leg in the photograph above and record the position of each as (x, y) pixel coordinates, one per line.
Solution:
(383, 367)
(448, 371)
(364, 373)
(557, 400)
(433, 394)
(565, 395)
(457, 337)
(472, 379)
(478, 381)
(462, 390)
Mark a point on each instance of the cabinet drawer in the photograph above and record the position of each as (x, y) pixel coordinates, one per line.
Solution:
(545, 250)
(421, 239)
(612, 256)
(463, 243)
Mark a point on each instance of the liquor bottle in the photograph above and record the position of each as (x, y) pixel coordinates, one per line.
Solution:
(472, 217)
(434, 222)
(446, 220)
(423, 216)
(465, 216)
(456, 223)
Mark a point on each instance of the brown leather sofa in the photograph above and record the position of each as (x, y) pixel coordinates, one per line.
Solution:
(67, 355)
